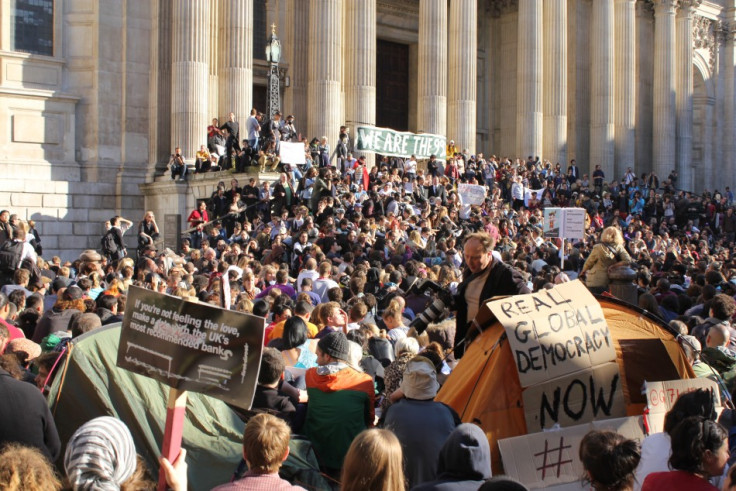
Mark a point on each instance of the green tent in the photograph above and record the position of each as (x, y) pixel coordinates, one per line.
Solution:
(89, 384)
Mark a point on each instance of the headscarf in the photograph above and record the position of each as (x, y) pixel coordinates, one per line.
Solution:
(100, 456)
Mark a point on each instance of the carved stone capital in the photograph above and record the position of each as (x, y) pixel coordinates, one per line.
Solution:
(704, 37)
(689, 5)
(665, 6)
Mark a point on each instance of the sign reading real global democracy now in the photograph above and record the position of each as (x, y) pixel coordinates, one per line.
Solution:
(399, 144)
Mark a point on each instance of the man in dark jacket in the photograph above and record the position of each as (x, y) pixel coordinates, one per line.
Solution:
(484, 277)
(25, 417)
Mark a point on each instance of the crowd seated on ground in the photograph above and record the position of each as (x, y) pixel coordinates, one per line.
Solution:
(332, 256)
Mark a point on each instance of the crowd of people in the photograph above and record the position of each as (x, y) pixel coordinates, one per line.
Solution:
(338, 256)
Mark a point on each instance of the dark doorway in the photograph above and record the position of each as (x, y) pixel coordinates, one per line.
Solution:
(392, 85)
(260, 98)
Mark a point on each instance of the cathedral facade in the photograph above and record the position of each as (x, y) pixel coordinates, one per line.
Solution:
(96, 94)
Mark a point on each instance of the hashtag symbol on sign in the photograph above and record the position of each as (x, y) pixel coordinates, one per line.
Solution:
(546, 456)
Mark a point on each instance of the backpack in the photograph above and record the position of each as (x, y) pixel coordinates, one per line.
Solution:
(108, 244)
(10, 253)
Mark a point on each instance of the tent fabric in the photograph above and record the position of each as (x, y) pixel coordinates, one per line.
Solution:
(89, 384)
(484, 388)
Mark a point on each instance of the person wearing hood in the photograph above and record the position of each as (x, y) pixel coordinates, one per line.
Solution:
(464, 461)
(421, 424)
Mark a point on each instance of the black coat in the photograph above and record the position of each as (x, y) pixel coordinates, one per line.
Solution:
(502, 280)
(25, 417)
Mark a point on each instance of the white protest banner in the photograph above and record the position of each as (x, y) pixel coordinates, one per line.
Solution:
(471, 194)
(528, 194)
(292, 153)
(399, 143)
(573, 221)
(552, 222)
(661, 396)
(543, 460)
(588, 395)
(555, 332)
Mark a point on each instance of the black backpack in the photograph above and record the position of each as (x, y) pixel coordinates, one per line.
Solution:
(108, 244)
(10, 253)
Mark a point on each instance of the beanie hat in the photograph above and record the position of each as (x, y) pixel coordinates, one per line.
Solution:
(420, 379)
(25, 349)
(100, 455)
(336, 345)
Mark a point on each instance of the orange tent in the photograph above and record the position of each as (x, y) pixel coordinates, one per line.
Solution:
(485, 389)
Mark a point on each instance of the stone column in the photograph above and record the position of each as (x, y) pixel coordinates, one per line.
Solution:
(190, 75)
(462, 73)
(529, 110)
(325, 69)
(299, 66)
(601, 107)
(625, 87)
(726, 178)
(555, 81)
(432, 89)
(360, 65)
(685, 93)
(663, 151)
(236, 60)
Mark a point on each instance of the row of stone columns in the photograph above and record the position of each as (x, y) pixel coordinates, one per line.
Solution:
(191, 60)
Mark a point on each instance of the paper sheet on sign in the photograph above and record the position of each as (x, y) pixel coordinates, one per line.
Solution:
(292, 153)
(555, 332)
(540, 460)
(589, 395)
(661, 396)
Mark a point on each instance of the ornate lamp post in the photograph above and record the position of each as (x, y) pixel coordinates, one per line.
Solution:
(273, 55)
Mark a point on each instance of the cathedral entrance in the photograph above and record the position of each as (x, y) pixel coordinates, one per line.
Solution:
(392, 85)
(702, 154)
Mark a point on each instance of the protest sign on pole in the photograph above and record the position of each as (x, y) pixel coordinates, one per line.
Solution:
(471, 194)
(292, 153)
(573, 223)
(552, 221)
(399, 143)
(543, 460)
(190, 346)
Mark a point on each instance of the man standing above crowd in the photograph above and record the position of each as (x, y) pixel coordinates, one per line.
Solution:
(233, 139)
(253, 127)
(484, 277)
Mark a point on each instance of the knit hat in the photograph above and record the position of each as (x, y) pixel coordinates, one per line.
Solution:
(100, 455)
(25, 349)
(336, 345)
(420, 379)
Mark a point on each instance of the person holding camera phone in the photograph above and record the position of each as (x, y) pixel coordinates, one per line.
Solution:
(177, 166)
(484, 277)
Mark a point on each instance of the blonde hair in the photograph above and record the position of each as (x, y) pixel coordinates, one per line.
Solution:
(612, 235)
(26, 469)
(265, 443)
(374, 462)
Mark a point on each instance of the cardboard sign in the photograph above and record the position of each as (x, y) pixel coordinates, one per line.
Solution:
(292, 153)
(568, 223)
(661, 396)
(541, 460)
(573, 222)
(399, 143)
(191, 346)
(555, 332)
(471, 194)
(589, 395)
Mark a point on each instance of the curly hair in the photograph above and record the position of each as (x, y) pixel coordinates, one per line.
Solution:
(25, 468)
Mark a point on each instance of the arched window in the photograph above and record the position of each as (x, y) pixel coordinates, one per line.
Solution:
(32, 26)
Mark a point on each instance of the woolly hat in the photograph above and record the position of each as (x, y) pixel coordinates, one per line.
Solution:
(420, 379)
(100, 455)
(25, 349)
(336, 345)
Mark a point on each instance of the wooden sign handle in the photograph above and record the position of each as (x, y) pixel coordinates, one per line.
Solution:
(176, 409)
